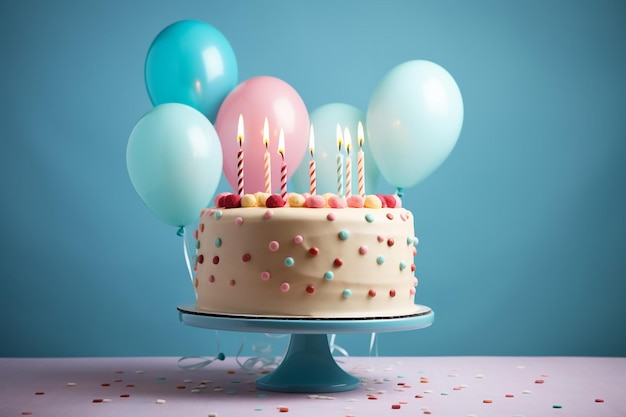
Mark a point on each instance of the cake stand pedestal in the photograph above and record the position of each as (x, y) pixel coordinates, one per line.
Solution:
(308, 365)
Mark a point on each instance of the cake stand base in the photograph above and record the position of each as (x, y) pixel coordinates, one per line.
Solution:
(308, 365)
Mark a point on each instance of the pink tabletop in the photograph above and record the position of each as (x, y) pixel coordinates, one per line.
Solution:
(391, 386)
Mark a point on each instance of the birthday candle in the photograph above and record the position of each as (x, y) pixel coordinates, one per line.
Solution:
(283, 166)
(348, 139)
(240, 156)
(339, 163)
(360, 161)
(312, 174)
(266, 158)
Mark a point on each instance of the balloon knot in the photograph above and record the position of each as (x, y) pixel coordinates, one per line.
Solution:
(399, 192)
(221, 356)
(181, 231)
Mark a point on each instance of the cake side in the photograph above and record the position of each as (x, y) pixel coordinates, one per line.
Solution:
(325, 262)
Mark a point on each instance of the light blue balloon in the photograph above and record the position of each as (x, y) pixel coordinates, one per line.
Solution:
(414, 119)
(324, 120)
(192, 63)
(174, 160)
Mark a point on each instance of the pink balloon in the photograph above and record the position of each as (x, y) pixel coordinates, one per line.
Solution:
(256, 99)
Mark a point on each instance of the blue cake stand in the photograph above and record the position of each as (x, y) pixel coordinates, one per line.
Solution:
(308, 365)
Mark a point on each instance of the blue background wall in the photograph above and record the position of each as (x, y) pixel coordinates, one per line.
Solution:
(522, 230)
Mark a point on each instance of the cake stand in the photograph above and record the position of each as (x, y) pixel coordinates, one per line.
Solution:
(308, 365)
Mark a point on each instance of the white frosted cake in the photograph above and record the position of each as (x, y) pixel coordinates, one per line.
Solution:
(298, 261)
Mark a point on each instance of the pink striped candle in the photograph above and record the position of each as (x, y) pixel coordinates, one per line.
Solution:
(240, 156)
(266, 158)
(312, 174)
(347, 137)
(283, 166)
(339, 163)
(360, 161)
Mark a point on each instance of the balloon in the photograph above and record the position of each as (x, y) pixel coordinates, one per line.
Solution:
(174, 161)
(255, 99)
(324, 120)
(192, 63)
(414, 120)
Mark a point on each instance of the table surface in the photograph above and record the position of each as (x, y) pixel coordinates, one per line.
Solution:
(390, 386)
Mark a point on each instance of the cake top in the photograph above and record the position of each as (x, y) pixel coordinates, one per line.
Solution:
(260, 199)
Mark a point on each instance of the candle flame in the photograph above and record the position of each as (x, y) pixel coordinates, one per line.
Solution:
(311, 141)
(281, 143)
(339, 139)
(266, 134)
(360, 134)
(240, 130)
(348, 139)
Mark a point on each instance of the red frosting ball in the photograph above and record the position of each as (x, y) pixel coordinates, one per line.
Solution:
(232, 201)
(389, 201)
(274, 201)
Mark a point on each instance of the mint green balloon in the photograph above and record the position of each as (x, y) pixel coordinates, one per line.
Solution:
(414, 119)
(324, 120)
(174, 160)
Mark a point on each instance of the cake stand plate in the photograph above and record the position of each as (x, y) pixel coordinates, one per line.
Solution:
(308, 365)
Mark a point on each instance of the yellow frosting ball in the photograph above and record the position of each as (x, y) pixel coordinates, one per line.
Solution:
(260, 198)
(248, 200)
(372, 201)
(296, 200)
(327, 196)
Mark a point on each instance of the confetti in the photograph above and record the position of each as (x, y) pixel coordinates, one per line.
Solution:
(39, 393)
(557, 406)
(509, 396)
(212, 415)
(283, 409)
(527, 391)
(71, 384)
(97, 400)
(487, 401)
(539, 381)
(599, 400)
(124, 395)
(395, 406)
(160, 401)
(26, 413)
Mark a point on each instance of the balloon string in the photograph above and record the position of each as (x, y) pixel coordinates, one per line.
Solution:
(181, 232)
(399, 192)
(373, 344)
(335, 347)
(202, 361)
(263, 359)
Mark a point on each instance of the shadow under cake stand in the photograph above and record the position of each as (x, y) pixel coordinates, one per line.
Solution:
(308, 365)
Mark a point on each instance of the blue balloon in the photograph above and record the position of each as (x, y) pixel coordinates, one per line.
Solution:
(324, 120)
(174, 160)
(192, 63)
(414, 120)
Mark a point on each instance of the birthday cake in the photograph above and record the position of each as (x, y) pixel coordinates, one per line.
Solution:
(296, 257)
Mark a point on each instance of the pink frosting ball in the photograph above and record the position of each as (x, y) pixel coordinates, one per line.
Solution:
(398, 201)
(355, 201)
(315, 201)
(337, 202)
